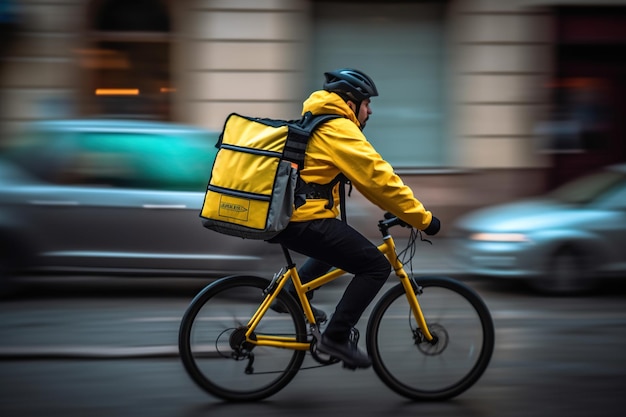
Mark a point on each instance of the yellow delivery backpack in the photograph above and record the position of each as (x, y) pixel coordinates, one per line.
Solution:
(254, 184)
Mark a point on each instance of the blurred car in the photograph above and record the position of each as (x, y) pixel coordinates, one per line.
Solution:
(564, 242)
(112, 197)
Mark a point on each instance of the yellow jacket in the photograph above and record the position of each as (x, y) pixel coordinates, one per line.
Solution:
(339, 146)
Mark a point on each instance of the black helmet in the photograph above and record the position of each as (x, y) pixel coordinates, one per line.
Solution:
(351, 84)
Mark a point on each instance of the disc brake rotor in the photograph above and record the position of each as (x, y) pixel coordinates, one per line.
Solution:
(428, 347)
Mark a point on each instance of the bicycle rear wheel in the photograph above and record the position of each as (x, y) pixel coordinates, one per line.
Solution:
(212, 341)
(421, 370)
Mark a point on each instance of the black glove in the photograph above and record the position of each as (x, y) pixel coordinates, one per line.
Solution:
(433, 227)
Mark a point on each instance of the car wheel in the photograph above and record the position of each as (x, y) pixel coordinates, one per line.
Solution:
(567, 273)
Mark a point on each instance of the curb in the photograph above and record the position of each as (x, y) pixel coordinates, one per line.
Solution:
(90, 352)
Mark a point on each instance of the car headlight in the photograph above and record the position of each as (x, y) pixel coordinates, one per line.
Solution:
(499, 237)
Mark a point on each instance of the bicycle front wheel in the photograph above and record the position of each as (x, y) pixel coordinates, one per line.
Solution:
(421, 370)
(213, 345)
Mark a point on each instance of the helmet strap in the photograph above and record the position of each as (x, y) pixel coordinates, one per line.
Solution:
(357, 108)
(356, 103)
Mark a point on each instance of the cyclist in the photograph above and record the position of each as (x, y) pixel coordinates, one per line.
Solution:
(339, 147)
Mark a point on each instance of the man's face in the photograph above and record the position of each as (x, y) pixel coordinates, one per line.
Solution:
(364, 113)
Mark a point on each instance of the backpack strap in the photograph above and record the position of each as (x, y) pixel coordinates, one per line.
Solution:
(295, 149)
(325, 191)
(343, 181)
(299, 134)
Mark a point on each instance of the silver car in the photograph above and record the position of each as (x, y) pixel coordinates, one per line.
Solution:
(563, 242)
(112, 197)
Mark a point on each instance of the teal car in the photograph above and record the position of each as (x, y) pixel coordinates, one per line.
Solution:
(112, 197)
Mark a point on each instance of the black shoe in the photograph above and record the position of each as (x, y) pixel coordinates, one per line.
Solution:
(347, 351)
(320, 315)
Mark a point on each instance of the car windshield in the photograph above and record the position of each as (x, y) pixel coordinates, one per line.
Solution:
(588, 188)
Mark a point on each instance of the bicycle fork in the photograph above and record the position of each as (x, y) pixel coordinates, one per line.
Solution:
(410, 288)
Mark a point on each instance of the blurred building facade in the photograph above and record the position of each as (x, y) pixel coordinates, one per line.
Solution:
(481, 100)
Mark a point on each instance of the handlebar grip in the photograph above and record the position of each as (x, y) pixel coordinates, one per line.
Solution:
(392, 220)
(402, 223)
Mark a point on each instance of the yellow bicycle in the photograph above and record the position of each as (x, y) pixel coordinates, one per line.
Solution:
(429, 338)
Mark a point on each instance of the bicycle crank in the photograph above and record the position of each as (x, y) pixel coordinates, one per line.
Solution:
(320, 357)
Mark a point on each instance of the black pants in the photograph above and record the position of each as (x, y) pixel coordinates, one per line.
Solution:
(333, 242)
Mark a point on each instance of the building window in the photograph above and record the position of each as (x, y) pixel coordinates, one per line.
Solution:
(127, 60)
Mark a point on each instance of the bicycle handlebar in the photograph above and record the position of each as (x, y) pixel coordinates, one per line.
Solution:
(390, 221)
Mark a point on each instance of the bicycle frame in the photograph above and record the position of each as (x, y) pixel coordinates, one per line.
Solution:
(388, 248)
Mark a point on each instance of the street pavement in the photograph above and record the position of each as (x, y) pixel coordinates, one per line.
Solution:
(83, 323)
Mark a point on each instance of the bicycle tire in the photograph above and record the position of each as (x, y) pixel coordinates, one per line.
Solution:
(215, 321)
(418, 369)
